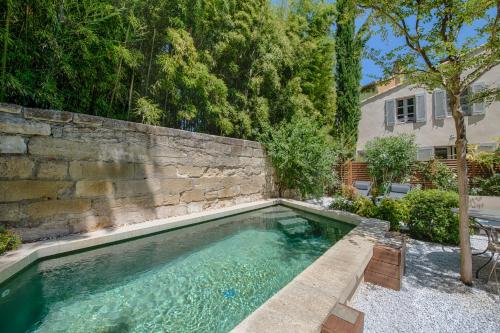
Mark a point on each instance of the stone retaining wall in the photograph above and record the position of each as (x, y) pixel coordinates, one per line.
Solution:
(63, 173)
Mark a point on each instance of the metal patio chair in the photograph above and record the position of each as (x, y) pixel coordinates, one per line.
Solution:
(494, 248)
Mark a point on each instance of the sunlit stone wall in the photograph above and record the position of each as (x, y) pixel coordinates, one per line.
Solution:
(63, 173)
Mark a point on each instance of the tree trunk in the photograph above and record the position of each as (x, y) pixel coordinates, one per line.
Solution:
(461, 148)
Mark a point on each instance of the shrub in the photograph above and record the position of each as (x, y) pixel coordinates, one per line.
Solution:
(430, 215)
(301, 157)
(349, 192)
(486, 186)
(361, 206)
(488, 160)
(341, 203)
(390, 158)
(394, 211)
(8, 240)
(365, 207)
(438, 174)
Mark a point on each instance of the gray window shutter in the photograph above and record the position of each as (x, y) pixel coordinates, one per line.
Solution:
(490, 147)
(425, 153)
(440, 104)
(421, 114)
(478, 107)
(390, 112)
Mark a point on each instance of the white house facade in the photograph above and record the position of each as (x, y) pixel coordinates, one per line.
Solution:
(409, 109)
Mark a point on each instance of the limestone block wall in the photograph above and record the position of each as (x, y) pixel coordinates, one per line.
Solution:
(63, 173)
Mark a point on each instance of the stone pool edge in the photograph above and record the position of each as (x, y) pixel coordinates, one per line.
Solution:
(300, 306)
(14, 261)
(304, 303)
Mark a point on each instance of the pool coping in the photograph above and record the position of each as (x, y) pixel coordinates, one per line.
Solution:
(300, 306)
(305, 302)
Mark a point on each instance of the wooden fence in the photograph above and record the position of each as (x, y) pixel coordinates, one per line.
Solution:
(353, 171)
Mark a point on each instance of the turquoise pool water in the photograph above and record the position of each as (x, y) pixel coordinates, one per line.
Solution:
(203, 278)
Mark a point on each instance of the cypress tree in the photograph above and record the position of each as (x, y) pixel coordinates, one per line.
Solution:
(348, 49)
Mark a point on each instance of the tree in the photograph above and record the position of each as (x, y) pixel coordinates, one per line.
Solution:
(434, 56)
(348, 50)
(390, 159)
(301, 156)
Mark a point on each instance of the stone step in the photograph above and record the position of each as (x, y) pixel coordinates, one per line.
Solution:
(292, 222)
(279, 216)
(294, 226)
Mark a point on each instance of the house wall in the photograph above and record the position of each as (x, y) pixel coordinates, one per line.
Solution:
(63, 173)
(481, 129)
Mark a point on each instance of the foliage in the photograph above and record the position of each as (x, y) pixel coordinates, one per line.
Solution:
(342, 203)
(365, 207)
(394, 211)
(390, 158)
(229, 67)
(149, 112)
(488, 160)
(349, 192)
(301, 156)
(348, 50)
(431, 217)
(8, 240)
(433, 54)
(359, 205)
(438, 174)
(486, 186)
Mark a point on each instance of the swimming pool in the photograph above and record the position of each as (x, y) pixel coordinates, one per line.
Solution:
(205, 278)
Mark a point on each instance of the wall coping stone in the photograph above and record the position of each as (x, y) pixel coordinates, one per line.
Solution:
(48, 115)
(10, 108)
(56, 116)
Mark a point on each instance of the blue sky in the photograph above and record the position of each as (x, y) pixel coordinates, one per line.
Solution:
(372, 72)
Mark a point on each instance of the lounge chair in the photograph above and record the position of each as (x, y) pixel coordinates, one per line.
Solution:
(363, 187)
(397, 191)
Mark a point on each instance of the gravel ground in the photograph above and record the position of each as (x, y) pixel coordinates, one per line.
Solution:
(432, 299)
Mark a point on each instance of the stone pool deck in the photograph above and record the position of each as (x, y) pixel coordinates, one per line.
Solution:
(432, 298)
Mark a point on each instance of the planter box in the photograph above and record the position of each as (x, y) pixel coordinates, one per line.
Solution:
(386, 268)
(343, 319)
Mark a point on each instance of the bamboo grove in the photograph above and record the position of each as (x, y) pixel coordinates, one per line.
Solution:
(226, 67)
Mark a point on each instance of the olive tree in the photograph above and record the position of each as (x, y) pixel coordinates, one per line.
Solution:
(435, 54)
(390, 158)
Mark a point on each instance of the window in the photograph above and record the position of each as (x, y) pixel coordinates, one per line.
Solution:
(406, 110)
(445, 153)
(441, 153)
(452, 153)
